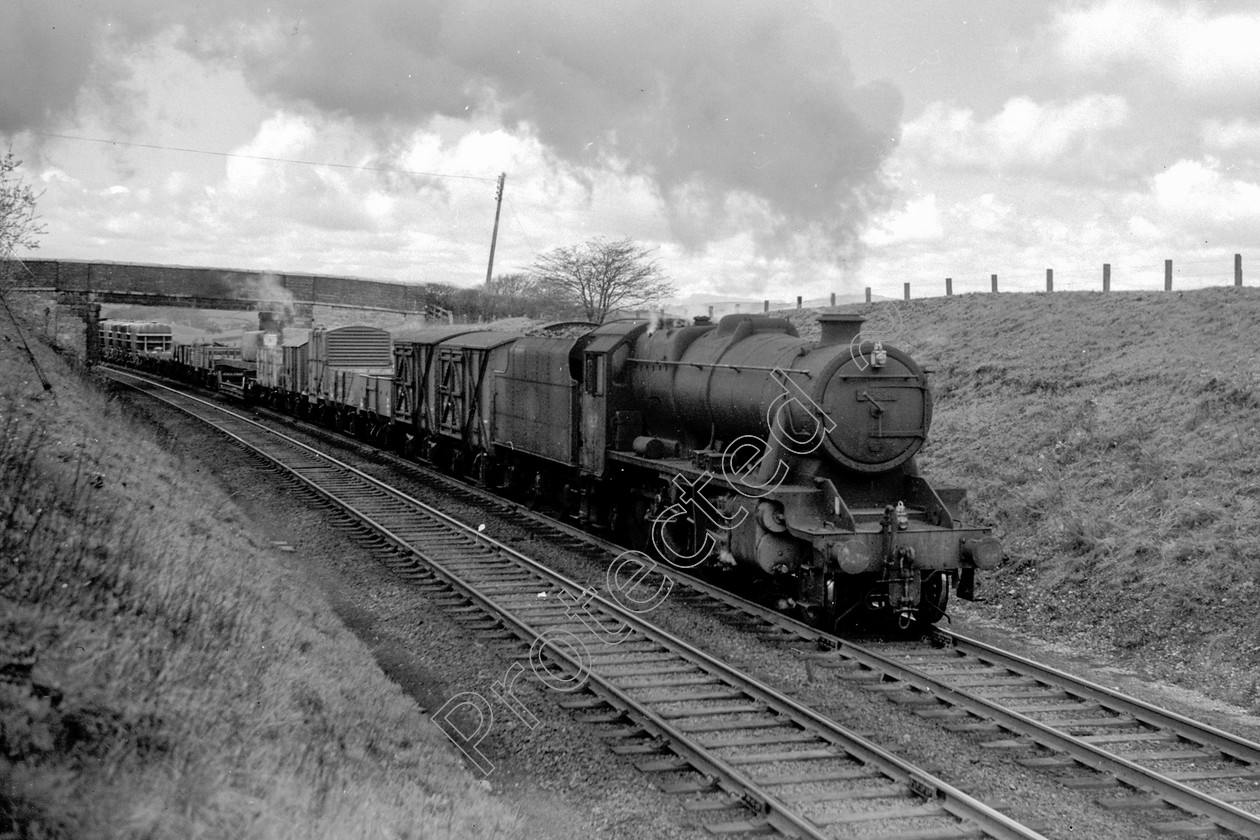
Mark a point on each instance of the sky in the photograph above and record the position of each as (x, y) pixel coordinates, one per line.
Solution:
(762, 149)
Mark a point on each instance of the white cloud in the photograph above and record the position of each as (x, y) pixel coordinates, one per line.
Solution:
(1200, 52)
(1024, 135)
(988, 213)
(918, 221)
(1143, 228)
(1200, 196)
(1233, 135)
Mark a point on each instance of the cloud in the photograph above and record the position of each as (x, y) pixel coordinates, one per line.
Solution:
(1201, 52)
(712, 102)
(1232, 135)
(918, 221)
(54, 54)
(1049, 138)
(987, 213)
(45, 58)
(1201, 200)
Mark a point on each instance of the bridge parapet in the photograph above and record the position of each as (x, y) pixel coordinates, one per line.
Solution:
(218, 288)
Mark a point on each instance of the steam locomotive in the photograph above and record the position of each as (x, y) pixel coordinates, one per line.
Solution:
(736, 447)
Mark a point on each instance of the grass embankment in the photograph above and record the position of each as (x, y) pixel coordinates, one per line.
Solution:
(163, 675)
(1113, 440)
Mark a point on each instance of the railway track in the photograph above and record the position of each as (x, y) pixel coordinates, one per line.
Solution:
(1138, 757)
(750, 759)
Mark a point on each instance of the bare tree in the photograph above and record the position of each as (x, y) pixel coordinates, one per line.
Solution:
(19, 225)
(513, 285)
(19, 228)
(599, 276)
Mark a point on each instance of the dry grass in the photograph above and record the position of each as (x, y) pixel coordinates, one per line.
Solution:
(165, 676)
(1112, 440)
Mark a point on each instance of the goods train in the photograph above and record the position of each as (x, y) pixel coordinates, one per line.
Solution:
(736, 447)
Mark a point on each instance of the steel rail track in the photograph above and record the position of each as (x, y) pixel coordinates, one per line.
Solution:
(1040, 725)
(793, 767)
(1098, 715)
(1098, 710)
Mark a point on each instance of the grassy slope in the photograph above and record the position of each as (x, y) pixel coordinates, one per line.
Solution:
(163, 675)
(1112, 441)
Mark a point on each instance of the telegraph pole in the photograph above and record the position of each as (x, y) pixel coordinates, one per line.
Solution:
(494, 237)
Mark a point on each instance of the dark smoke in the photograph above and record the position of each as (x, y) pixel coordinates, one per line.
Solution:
(53, 52)
(710, 100)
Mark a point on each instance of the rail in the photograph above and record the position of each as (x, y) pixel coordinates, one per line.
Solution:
(756, 744)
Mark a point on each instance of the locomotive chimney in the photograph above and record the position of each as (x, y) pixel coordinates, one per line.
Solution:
(839, 328)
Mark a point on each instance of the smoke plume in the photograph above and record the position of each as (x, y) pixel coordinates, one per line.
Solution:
(727, 107)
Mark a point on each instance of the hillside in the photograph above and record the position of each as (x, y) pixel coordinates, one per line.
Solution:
(1112, 440)
(164, 672)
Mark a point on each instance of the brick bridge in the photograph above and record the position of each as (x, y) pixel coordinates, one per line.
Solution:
(81, 287)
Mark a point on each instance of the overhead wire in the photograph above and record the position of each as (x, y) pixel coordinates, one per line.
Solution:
(387, 169)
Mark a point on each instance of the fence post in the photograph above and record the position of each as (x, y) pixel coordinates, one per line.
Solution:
(1237, 269)
(1049, 279)
(1167, 275)
(798, 301)
(765, 306)
(833, 298)
(907, 291)
(993, 279)
(949, 286)
(868, 294)
(1106, 277)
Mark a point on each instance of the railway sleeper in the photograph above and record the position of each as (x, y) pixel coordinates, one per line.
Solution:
(655, 746)
(1094, 782)
(1093, 722)
(713, 711)
(1187, 827)
(799, 737)
(1048, 762)
(694, 727)
(758, 826)
(1010, 744)
(623, 732)
(724, 803)
(1133, 803)
(691, 696)
(901, 812)
(699, 784)
(823, 754)
(825, 776)
(886, 791)
(1175, 755)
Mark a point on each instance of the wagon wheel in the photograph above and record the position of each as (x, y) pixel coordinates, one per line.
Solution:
(459, 462)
